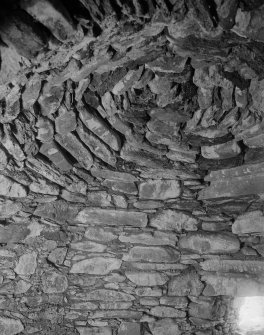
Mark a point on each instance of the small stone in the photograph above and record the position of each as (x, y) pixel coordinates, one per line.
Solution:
(54, 282)
(157, 238)
(177, 302)
(129, 328)
(173, 220)
(96, 265)
(148, 292)
(242, 226)
(115, 305)
(50, 99)
(148, 204)
(113, 175)
(152, 254)
(117, 314)
(10, 326)
(221, 151)
(165, 326)
(125, 83)
(43, 186)
(13, 233)
(3, 159)
(110, 217)
(9, 188)
(11, 144)
(166, 312)
(45, 129)
(31, 92)
(57, 256)
(27, 264)
(187, 283)
(71, 143)
(121, 186)
(54, 153)
(66, 121)
(147, 278)
(94, 330)
(88, 246)
(159, 189)
(210, 243)
(119, 201)
(9, 208)
(99, 234)
(99, 198)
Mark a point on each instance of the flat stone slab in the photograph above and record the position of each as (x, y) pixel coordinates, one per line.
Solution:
(234, 182)
(210, 243)
(107, 295)
(165, 326)
(232, 285)
(152, 254)
(159, 189)
(233, 265)
(94, 330)
(147, 278)
(173, 220)
(96, 265)
(111, 217)
(248, 223)
(221, 151)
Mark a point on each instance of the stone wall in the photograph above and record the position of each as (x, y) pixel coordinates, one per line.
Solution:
(131, 166)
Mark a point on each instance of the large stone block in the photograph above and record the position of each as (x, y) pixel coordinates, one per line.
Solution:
(94, 330)
(165, 326)
(232, 285)
(107, 295)
(111, 217)
(233, 265)
(248, 223)
(27, 264)
(152, 254)
(159, 189)
(173, 220)
(9, 188)
(186, 283)
(54, 282)
(10, 326)
(96, 265)
(147, 278)
(210, 243)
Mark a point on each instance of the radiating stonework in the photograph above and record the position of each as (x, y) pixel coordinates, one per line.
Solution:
(131, 166)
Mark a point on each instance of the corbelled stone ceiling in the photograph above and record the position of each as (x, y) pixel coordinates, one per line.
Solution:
(131, 165)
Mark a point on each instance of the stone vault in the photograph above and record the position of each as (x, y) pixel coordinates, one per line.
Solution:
(131, 165)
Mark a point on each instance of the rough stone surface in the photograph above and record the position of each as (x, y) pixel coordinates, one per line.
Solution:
(27, 264)
(210, 243)
(158, 189)
(173, 220)
(10, 326)
(96, 266)
(152, 254)
(251, 222)
(109, 217)
(147, 278)
(187, 283)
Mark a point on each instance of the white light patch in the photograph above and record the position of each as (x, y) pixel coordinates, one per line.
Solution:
(250, 314)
